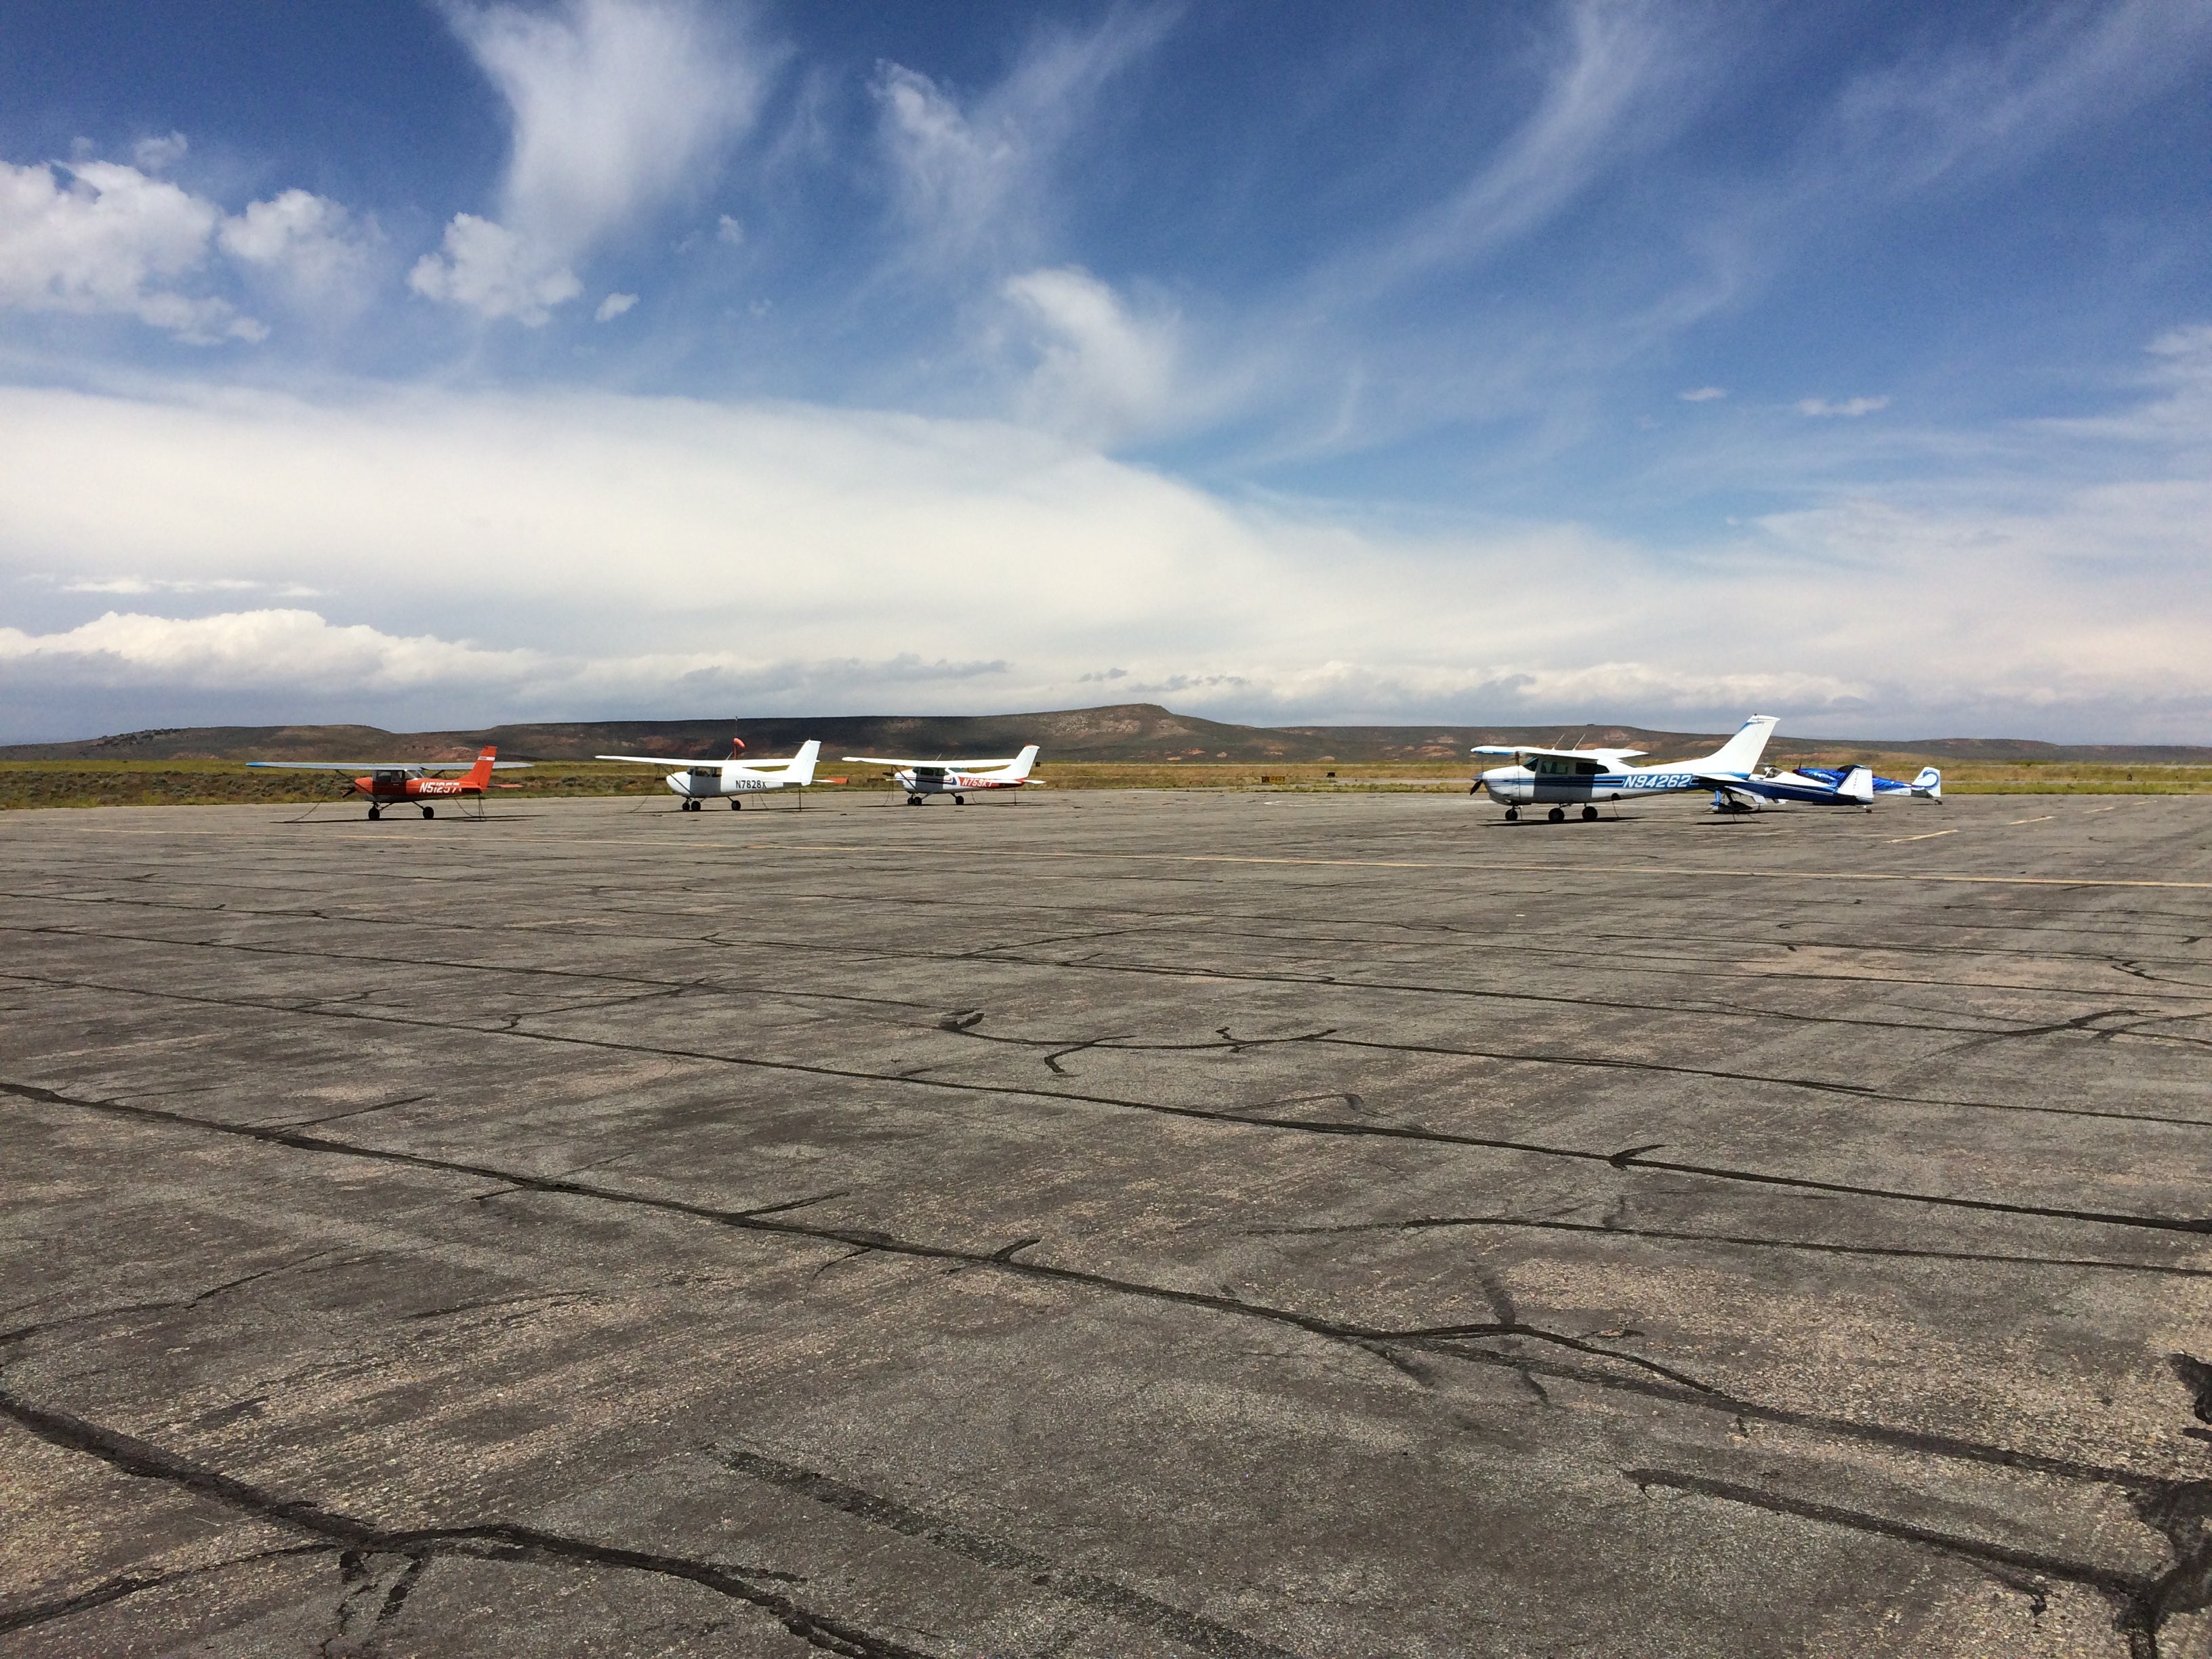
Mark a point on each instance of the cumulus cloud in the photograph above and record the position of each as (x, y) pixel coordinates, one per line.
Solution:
(110, 239)
(1847, 409)
(310, 244)
(99, 237)
(1103, 373)
(490, 270)
(285, 649)
(159, 155)
(615, 106)
(613, 306)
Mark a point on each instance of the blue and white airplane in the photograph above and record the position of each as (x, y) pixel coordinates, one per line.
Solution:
(1561, 778)
(1929, 785)
(1853, 786)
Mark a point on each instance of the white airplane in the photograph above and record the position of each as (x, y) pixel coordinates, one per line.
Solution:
(1567, 777)
(957, 779)
(701, 782)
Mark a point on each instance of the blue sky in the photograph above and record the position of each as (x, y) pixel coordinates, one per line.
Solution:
(430, 364)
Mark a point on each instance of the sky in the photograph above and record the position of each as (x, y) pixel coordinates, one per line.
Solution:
(432, 365)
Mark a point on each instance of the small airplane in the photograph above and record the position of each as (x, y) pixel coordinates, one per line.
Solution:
(1850, 786)
(957, 779)
(392, 783)
(1928, 785)
(1565, 777)
(701, 782)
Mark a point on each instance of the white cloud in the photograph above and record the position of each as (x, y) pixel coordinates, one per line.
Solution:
(572, 554)
(616, 106)
(159, 155)
(971, 178)
(309, 243)
(112, 239)
(492, 272)
(118, 239)
(1621, 81)
(1849, 408)
(135, 585)
(1702, 394)
(284, 650)
(613, 306)
(730, 231)
(1102, 374)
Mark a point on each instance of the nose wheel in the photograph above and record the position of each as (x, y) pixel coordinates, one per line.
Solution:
(374, 813)
(914, 800)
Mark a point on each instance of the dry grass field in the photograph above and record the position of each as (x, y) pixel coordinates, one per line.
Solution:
(30, 784)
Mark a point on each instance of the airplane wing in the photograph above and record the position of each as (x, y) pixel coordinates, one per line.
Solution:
(665, 760)
(949, 765)
(387, 766)
(1568, 754)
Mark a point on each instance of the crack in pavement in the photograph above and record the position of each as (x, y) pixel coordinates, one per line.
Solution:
(1647, 1378)
(1006, 956)
(1417, 1224)
(912, 1078)
(497, 1540)
(2141, 1604)
(859, 1241)
(966, 1021)
(122, 1584)
(1192, 1630)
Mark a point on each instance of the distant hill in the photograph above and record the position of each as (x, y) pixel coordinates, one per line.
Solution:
(1121, 732)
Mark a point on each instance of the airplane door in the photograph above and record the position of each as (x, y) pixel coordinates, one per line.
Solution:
(706, 780)
(929, 780)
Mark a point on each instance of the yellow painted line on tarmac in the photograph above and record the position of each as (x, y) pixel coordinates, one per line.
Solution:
(1899, 841)
(2045, 818)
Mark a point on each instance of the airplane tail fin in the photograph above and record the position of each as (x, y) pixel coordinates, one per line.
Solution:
(1857, 785)
(1023, 761)
(1929, 785)
(801, 769)
(479, 775)
(1740, 752)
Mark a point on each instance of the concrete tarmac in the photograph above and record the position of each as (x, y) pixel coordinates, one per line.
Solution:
(1108, 1224)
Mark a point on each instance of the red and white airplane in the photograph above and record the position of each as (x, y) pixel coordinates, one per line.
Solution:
(955, 778)
(391, 783)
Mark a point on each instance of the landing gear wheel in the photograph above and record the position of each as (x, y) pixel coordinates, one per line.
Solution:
(374, 814)
(737, 805)
(429, 811)
(960, 800)
(914, 800)
(1513, 815)
(1588, 813)
(1558, 815)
